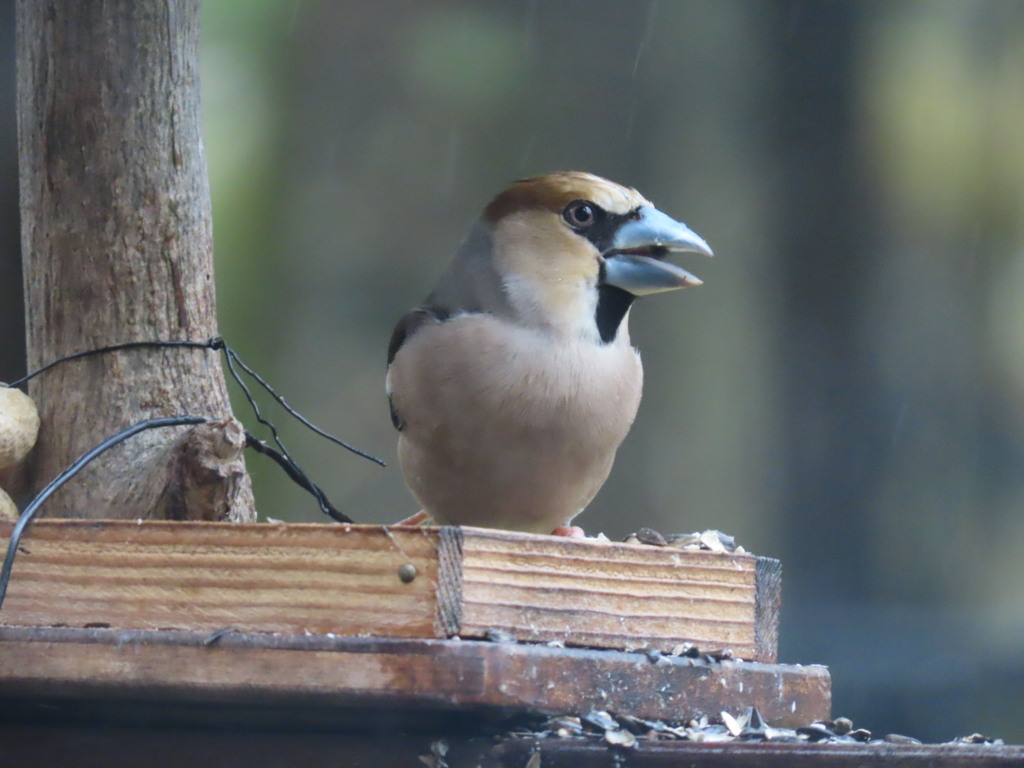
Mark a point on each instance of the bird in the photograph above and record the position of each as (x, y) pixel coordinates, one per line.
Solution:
(514, 383)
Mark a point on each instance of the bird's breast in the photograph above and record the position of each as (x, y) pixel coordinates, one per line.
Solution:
(482, 372)
(507, 427)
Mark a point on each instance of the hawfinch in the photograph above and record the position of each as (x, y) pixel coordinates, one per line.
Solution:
(513, 385)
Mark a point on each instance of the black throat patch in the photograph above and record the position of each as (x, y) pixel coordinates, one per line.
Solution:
(612, 305)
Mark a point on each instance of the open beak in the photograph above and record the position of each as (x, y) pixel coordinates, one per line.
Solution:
(636, 261)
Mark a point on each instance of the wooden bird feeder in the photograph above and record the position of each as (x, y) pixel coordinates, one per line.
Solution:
(362, 580)
(279, 644)
(434, 621)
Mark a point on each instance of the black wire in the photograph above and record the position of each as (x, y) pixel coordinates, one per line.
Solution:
(297, 477)
(70, 472)
(232, 355)
(283, 458)
(304, 481)
(215, 343)
(117, 348)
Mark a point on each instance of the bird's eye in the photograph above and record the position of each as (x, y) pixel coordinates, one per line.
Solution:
(580, 214)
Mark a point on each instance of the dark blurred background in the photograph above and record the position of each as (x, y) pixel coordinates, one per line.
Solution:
(846, 391)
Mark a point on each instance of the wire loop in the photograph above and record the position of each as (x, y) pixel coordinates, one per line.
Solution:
(216, 343)
(29, 512)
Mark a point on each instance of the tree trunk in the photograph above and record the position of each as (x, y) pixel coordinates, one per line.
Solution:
(117, 247)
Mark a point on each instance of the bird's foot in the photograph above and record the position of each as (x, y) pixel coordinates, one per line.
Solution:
(570, 531)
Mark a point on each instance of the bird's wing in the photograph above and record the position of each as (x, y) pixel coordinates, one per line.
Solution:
(410, 322)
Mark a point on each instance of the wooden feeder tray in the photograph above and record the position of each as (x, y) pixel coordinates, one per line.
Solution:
(332, 618)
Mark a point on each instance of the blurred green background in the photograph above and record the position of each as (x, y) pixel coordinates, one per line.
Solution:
(846, 391)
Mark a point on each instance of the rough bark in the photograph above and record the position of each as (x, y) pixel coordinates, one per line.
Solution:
(117, 244)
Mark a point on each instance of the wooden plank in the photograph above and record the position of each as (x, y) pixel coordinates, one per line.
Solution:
(611, 595)
(204, 576)
(344, 580)
(318, 681)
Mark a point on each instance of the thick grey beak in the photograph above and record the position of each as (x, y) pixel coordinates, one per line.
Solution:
(635, 262)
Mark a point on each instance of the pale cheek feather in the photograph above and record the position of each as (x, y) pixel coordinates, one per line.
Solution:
(548, 272)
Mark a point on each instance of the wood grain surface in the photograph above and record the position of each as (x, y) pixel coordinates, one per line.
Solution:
(206, 576)
(607, 595)
(318, 681)
(348, 580)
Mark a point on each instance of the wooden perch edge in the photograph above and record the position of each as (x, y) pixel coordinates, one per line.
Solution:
(281, 680)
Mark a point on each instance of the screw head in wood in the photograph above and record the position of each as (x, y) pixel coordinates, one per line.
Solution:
(407, 573)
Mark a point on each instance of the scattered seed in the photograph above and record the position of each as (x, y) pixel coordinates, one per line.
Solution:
(815, 732)
(898, 738)
(500, 636)
(976, 738)
(731, 724)
(599, 719)
(620, 738)
(634, 725)
(623, 730)
(842, 726)
(684, 540)
(650, 536)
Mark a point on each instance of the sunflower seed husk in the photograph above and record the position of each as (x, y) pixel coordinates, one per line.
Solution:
(634, 724)
(842, 726)
(684, 540)
(599, 719)
(754, 719)
(650, 536)
(815, 732)
(899, 738)
(976, 738)
(731, 723)
(620, 738)
(500, 636)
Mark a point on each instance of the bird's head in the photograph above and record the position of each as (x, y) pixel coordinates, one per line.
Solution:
(572, 250)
